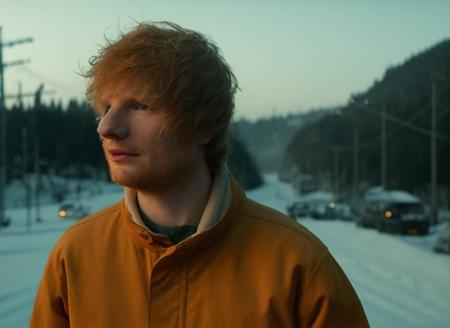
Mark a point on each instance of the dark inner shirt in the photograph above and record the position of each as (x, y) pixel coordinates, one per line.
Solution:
(176, 234)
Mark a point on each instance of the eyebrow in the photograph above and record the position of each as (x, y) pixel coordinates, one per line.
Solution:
(102, 103)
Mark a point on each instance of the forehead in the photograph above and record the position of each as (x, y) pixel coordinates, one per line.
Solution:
(123, 91)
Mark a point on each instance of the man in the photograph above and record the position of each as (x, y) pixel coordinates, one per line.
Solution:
(185, 247)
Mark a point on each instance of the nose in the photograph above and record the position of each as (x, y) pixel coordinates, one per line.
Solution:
(113, 125)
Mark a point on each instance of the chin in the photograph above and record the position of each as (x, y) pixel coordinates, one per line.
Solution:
(124, 178)
(122, 181)
(150, 177)
(136, 180)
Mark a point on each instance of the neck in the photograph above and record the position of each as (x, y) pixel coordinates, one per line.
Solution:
(181, 205)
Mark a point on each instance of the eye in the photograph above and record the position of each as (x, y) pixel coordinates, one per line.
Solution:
(141, 107)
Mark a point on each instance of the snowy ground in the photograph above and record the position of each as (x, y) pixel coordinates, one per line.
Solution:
(400, 281)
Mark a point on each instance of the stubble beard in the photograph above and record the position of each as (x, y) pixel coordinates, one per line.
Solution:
(153, 177)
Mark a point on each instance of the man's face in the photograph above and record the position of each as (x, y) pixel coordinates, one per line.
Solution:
(139, 152)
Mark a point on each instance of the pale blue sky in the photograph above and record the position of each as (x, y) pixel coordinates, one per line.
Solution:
(287, 55)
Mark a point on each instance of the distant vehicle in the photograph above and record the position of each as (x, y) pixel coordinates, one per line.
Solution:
(318, 210)
(332, 210)
(442, 244)
(324, 210)
(320, 205)
(344, 211)
(298, 209)
(72, 211)
(394, 211)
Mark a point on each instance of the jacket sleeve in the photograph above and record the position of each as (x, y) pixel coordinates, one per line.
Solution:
(327, 298)
(50, 306)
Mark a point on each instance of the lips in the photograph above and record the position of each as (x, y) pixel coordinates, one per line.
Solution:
(118, 155)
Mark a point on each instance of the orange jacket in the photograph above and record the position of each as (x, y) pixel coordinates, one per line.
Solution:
(254, 268)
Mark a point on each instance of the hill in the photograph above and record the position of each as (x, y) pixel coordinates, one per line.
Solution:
(326, 148)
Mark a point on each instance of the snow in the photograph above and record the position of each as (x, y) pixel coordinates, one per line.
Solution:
(398, 196)
(319, 196)
(24, 250)
(401, 282)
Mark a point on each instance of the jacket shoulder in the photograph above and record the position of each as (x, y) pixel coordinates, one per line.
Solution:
(91, 227)
(280, 225)
(96, 218)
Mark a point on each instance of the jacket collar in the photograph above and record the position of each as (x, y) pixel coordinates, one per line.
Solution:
(219, 215)
(216, 206)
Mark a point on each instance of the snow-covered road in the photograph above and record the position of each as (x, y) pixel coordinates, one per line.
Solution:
(400, 281)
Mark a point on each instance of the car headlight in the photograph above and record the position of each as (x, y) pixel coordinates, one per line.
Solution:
(62, 213)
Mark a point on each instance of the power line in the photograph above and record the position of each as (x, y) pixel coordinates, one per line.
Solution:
(407, 124)
(400, 124)
(47, 79)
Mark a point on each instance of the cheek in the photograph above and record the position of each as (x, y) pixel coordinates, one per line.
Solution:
(146, 139)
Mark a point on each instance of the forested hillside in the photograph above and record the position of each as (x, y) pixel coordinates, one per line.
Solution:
(351, 138)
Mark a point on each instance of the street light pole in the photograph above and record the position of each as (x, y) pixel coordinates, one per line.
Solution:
(335, 169)
(433, 150)
(355, 163)
(383, 145)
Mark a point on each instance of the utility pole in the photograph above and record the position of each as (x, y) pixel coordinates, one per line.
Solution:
(26, 181)
(3, 159)
(335, 169)
(355, 164)
(3, 221)
(433, 150)
(37, 175)
(37, 184)
(383, 145)
(20, 96)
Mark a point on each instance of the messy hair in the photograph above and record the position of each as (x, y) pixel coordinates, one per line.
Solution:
(181, 71)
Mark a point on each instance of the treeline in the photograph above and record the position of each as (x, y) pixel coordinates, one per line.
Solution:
(267, 138)
(330, 147)
(64, 141)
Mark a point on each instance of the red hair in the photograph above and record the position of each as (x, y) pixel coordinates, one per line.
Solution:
(182, 72)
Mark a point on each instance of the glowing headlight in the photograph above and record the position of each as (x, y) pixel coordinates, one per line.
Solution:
(62, 213)
(388, 214)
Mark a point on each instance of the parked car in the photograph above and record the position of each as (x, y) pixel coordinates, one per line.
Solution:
(298, 209)
(396, 212)
(344, 211)
(72, 211)
(323, 210)
(442, 244)
(321, 205)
